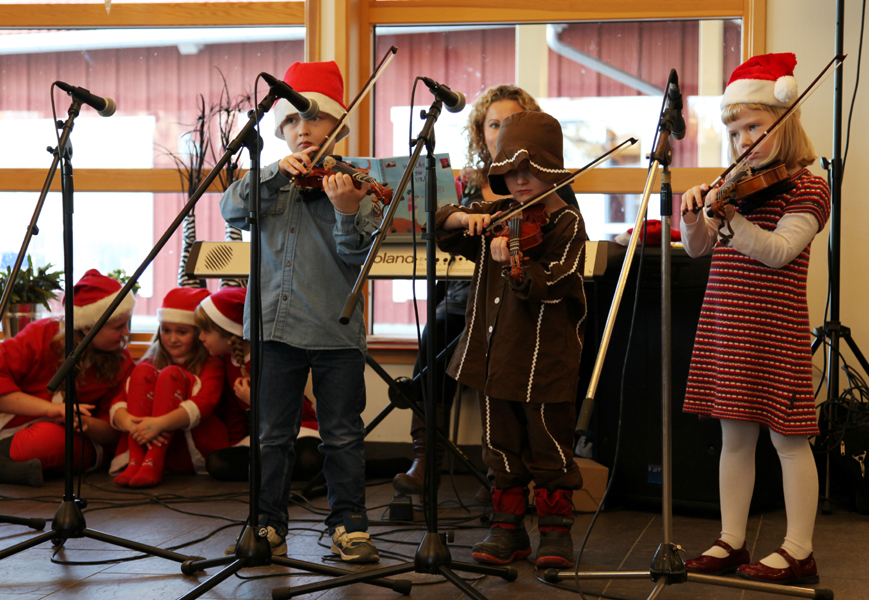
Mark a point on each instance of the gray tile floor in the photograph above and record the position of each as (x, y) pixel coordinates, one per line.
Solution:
(184, 509)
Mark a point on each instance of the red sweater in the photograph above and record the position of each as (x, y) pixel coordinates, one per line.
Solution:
(27, 364)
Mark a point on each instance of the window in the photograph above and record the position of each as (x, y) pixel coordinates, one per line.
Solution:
(604, 81)
(156, 77)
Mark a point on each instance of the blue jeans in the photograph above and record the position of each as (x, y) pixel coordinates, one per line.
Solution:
(339, 387)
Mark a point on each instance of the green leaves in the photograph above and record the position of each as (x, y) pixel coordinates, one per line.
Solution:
(32, 286)
(122, 276)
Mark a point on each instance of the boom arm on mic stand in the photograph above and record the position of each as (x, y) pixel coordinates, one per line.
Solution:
(233, 147)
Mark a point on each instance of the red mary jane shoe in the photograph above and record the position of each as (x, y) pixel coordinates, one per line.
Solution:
(799, 572)
(711, 565)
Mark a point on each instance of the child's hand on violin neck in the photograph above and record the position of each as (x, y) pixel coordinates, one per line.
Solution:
(500, 249)
(342, 192)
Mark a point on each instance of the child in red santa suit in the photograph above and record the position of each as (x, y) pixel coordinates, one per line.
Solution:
(220, 318)
(167, 406)
(32, 436)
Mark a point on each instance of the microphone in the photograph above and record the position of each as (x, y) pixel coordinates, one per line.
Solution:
(105, 107)
(674, 97)
(308, 109)
(454, 101)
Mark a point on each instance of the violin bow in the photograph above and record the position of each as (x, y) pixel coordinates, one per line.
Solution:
(825, 73)
(612, 153)
(390, 54)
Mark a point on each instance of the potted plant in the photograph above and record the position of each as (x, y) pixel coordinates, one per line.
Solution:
(123, 278)
(33, 287)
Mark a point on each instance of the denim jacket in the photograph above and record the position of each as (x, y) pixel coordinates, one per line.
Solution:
(310, 259)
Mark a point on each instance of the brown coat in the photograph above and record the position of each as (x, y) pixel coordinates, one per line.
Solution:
(522, 343)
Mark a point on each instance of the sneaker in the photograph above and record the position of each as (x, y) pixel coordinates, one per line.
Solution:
(277, 543)
(354, 547)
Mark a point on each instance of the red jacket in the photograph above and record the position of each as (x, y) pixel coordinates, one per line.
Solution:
(27, 364)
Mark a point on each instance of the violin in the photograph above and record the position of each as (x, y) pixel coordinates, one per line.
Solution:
(524, 230)
(746, 184)
(332, 165)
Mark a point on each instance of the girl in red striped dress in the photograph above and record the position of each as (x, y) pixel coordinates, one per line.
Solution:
(751, 367)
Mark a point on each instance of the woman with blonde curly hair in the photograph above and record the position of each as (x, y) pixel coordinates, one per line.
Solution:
(491, 107)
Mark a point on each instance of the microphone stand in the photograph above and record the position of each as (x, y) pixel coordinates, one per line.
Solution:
(32, 229)
(69, 521)
(402, 394)
(667, 566)
(834, 329)
(432, 556)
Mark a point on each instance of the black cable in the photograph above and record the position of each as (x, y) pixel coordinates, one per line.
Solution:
(613, 469)
(856, 85)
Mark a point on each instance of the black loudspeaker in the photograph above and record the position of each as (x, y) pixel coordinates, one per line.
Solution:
(696, 443)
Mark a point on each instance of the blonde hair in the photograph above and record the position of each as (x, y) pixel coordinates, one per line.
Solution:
(106, 365)
(207, 324)
(478, 155)
(160, 357)
(791, 144)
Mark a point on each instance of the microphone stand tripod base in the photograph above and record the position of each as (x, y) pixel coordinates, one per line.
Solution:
(664, 579)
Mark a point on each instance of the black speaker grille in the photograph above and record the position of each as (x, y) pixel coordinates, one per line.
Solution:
(218, 258)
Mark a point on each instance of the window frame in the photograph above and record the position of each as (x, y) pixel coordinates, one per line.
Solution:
(357, 22)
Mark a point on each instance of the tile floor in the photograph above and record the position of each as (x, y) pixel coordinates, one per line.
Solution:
(184, 509)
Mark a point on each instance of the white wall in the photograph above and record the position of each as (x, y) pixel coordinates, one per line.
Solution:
(808, 28)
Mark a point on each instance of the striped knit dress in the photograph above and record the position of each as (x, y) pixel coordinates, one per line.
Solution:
(752, 353)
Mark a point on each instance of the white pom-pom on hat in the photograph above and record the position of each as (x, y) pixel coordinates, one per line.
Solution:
(786, 89)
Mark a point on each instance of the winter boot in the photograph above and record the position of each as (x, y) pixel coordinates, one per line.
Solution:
(18, 473)
(554, 520)
(412, 481)
(507, 540)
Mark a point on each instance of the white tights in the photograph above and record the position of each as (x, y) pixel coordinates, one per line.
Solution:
(736, 484)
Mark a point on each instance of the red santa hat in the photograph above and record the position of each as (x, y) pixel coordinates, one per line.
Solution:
(180, 304)
(91, 297)
(226, 309)
(320, 81)
(767, 79)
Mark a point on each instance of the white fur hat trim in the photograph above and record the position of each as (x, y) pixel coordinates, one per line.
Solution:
(84, 317)
(284, 109)
(220, 319)
(760, 91)
(175, 315)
